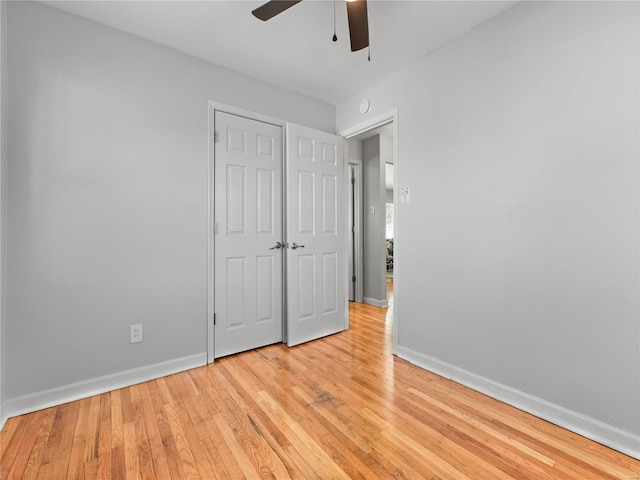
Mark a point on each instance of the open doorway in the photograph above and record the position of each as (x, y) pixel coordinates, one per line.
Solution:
(389, 120)
(371, 215)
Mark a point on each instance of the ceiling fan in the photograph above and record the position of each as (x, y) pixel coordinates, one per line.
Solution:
(356, 14)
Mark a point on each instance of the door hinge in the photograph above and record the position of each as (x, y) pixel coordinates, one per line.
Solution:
(353, 180)
(215, 227)
(353, 279)
(215, 137)
(214, 318)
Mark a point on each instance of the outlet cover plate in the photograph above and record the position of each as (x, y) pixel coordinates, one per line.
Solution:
(135, 333)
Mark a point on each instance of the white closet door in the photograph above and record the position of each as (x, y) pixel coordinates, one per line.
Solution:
(317, 293)
(248, 214)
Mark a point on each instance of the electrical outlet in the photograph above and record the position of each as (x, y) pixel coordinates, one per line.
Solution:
(135, 333)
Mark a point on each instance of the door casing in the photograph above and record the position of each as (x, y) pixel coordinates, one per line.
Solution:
(355, 236)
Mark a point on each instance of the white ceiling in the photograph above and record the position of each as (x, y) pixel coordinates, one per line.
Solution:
(294, 49)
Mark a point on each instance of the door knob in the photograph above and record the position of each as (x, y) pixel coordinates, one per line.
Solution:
(294, 245)
(277, 246)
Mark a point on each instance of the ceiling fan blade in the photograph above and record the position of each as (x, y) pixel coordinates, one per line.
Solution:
(274, 7)
(358, 24)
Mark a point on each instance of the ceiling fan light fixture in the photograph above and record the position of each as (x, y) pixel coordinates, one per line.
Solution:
(358, 24)
(356, 15)
(270, 9)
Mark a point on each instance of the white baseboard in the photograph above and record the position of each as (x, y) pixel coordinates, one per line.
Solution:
(375, 303)
(95, 386)
(608, 435)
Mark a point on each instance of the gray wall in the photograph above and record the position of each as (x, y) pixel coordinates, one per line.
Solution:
(107, 197)
(355, 149)
(3, 202)
(519, 272)
(386, 157)
(374, 285)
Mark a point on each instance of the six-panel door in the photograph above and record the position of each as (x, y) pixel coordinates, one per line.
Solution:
(248, 214)
(316, 233)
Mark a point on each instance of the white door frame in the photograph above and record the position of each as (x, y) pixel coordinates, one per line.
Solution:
(213, 107)
(362, 127)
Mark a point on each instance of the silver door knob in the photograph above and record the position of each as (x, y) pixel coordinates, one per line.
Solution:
(294, 245)
(277, 246)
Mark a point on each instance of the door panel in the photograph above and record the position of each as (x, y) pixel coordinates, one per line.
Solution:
(235, 283)
(306, 195)
(248, 214)
(264, 301)
(330, 283)
(329, 206)
(330, 154)
(306, 283)
(265, 199)
(316, 235)
(236, 195)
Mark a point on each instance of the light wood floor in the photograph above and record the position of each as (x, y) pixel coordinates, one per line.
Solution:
(340, 407)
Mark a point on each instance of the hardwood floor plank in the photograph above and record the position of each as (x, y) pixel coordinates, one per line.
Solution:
(387, 451)
(584, 462)
(145, 460)
(337, 408)
(337, 416)
(93, 436)
(159, 416)
(255, 440)
(131, 460)
(103, 457)
(270, 440)
(488, 430)
(76, 460)
(301, 440)
(118, 464)
(187, 461)
(345, 445)
(424, 455)
(6, 435)
(484, 447)
(199, 426)
(23, 449)
(37, 451)
(55, 461)
(236, 447)
(9, 449)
